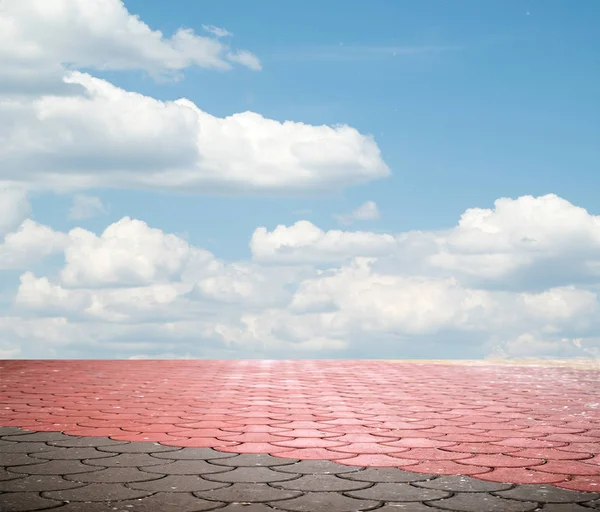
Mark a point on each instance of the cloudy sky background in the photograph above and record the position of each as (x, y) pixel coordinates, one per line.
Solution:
(296, 180)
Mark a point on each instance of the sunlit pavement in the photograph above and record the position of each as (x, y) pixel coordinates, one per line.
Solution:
(298, 435)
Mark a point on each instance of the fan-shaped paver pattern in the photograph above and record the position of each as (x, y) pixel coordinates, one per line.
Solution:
(503, 424)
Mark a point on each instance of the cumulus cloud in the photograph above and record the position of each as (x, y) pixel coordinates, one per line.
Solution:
(367, 211)
(85, 206)
(127, 253)
(109, 137)
(40, 38)
(14, 207)
(304, 242)
(135, 290)
(30, 243)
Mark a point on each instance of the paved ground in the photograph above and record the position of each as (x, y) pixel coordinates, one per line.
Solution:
(303, 435)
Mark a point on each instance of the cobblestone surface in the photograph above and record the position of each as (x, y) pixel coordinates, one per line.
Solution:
(193, 480)
(297, 435)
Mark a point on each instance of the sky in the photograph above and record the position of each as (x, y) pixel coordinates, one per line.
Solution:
(283, 180)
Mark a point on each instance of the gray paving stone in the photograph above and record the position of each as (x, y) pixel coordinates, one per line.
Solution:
(97, 492)
(547, 494)
(483, 502)
(251, 475)
(37, 436)
(178, 483)
(84, 442)
(398, 492)
(593, 504)
(159, 502)
(113, 475)
(186, 467)
(25, 447)
(54, 467)
(77, 453)
(18, 459)
(134, 460)
(321, 483)
(409, 506)
(317, 467)
(25, 501)
(38, 483)
(253, 459)
(251, 493)
(7, 475)
(194, 454)
(6, 443)
(386, 475)
(11, 431)
(564, 507)
(462, 484)
(243, 507)
(138, 447)
(329, 501)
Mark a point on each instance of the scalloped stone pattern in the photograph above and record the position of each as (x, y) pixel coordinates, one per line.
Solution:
(527, 425)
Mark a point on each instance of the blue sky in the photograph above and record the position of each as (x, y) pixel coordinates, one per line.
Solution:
(490, 99)
(468, 102)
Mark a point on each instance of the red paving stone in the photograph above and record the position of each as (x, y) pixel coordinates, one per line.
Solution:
(513, 424)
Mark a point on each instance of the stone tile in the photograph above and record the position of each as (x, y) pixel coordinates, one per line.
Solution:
(83, 442)
(17, 459)
(194, 454)
(243, 507)
(329, 501)
(76, 453)
(462, 484)
(251, 493)
(316, 467)
(253, 459)
(483, 502)
(547, 494)
(409, 506)
(564, 507)
(11, 431)
(251, 475)
(114, 475)
(97, 492)
(178, 483)
(594, 504)
(139, 447)
(7, 475)
(398, 492)
(186, 467)
(159, 502)
(37, 436)
(134, 460)
(25, 447)
(54, 467)
(386, 475)
(321, 483)
(38, 483)
(25, 501)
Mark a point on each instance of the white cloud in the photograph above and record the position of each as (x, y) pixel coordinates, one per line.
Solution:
(246, 59)
(109, 137)
(216, 31)
(86, 206)
(367, 211)
(38, 38)
(128, 253)
(14, 207)
(134, 290)
(304, 242)
(29, 244)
